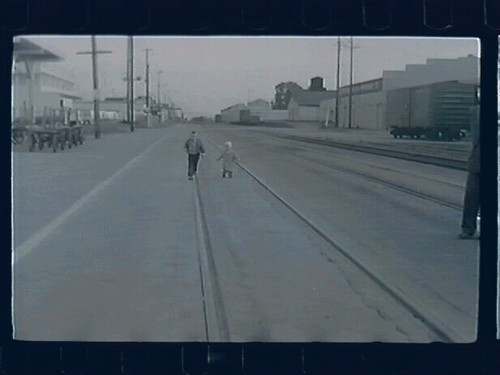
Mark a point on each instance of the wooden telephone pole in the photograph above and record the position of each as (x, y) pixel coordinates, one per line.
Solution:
(130, 83)
(351, 47)
(94, 52)
(148, 104)
(337, 93)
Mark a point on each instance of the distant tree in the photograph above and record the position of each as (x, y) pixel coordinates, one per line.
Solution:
(282, 96)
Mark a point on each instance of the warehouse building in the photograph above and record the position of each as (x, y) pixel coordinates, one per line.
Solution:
(368, 100)
(232, 114)
(258, 110)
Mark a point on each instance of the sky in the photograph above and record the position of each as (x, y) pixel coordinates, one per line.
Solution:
(203, 75)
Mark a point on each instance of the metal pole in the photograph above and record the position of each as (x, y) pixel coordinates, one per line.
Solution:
(31, 104)
(129, 82)
(148, 115)
(147, 78)
(337, 95)
(132, 82)
(97, 128)
(409, 106)
(350, 83)
(93, 52)
(158, 88)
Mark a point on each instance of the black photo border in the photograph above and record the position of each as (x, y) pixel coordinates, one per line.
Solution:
(426, 18)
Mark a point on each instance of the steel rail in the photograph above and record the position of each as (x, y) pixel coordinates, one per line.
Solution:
(398, 187)
(398, 154)
(214, 312)
(391, 185)
(430, 320)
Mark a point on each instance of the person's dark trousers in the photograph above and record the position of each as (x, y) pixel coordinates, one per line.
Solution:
(193, 163)
(471, 204)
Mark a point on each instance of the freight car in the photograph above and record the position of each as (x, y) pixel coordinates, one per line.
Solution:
(438, 111)
(437, 133)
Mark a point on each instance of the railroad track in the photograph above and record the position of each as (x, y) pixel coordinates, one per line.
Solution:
(453, 163)
(394, 186)
(435, 325)
(381, 181)
(214, 312)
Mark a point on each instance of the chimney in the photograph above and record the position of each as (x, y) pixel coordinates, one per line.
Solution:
(316, 84)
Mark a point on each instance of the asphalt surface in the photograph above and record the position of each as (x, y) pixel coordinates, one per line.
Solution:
(107, 244)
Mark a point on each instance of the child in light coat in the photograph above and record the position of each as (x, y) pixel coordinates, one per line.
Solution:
(228, 157)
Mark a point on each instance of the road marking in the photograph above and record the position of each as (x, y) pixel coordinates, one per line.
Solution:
(27, 246)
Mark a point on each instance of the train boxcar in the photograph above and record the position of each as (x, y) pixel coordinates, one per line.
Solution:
(438, 111)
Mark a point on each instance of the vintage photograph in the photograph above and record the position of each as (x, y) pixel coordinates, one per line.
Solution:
(245, 189)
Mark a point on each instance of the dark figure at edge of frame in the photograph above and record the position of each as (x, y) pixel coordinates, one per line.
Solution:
(471, 198)
(194, 147)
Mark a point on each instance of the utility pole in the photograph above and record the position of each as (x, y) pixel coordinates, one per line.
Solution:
(350, 82)
(158, 87)
(158, 98)
(94, 52)
(148, 110)
(128, 78)
(132, 91)
(31, 106)
(131, 80)
(337, 94)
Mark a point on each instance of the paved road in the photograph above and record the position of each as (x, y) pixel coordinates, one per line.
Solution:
(411, 241)
(107, 247)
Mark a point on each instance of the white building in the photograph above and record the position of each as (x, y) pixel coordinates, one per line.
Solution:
(262, 108)
(39, 90)
(304, 105)
(114, 108)
(462, 69)
(367, 105)
(369, 98)
(232, 113)
(258, 108)
(326, 112)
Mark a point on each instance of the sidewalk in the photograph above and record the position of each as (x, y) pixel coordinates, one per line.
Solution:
(45, 183)
(119, 260)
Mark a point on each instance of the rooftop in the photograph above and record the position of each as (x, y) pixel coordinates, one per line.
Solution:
(24, 50)
(310, 97)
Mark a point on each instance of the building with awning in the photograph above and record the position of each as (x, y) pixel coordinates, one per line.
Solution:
(39, 90)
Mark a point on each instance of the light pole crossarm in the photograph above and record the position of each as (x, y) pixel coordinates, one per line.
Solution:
(90, 52)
